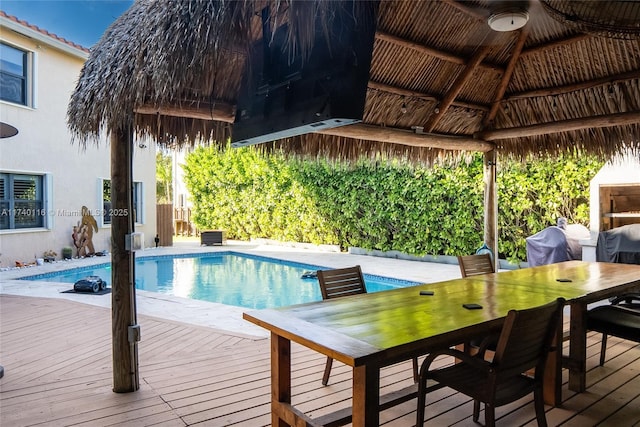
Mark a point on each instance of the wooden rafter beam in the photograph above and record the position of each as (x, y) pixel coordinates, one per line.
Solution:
(555, 43)
(474, 13)
(414, 94)
(405, 137)
(506, 77)
(444, 56)
(220, 111)
(559, 90)
(356, 131)
(609, 120)
(459, 83)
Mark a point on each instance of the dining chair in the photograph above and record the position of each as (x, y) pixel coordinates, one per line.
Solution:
(336, 283)
(524, 343)
(471, 265)
(621, 319)
(341, 282)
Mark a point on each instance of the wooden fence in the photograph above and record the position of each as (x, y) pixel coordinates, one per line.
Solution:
(164, 224)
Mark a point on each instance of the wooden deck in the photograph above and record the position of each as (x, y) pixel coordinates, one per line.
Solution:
(57, 360)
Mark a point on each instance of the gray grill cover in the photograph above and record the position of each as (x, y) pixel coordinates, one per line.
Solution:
(620, 244)
(555, 244)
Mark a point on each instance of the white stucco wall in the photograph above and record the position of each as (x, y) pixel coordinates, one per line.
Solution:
(181, 196)
(43, 146)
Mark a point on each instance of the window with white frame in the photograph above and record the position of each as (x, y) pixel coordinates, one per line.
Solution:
(22, 201)
(138, 206)
(15, 78)
(107, 208)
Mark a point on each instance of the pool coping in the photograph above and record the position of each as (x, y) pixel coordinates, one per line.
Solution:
(216, 315)
(312, 267)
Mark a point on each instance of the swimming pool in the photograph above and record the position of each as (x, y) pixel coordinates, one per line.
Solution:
(230, 278)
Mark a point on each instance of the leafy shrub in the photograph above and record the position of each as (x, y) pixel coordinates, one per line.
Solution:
(382, 205)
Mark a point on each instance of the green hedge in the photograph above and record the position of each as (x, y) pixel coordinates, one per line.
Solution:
(381, 205)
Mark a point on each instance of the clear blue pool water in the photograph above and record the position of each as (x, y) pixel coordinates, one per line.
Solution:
(226, 277)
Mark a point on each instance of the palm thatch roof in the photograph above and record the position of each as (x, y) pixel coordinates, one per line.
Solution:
(441, 81)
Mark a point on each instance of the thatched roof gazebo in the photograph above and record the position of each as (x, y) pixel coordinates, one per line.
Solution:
(441, 83)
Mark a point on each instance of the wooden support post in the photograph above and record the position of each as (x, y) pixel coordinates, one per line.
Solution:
(366, 396)
(552, 384)
(123, 309)
(491, 204)
(280, 380)
(578, 348)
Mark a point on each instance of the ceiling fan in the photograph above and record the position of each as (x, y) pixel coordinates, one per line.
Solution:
(495, 18)
(605, 18)
(507, 15)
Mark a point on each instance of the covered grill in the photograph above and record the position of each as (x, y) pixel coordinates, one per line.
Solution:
(556, 244)
(620, 244)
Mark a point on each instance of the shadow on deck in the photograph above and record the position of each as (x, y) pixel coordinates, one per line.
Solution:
(57, 360)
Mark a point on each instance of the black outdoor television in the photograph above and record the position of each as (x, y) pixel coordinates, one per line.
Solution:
(282, 96)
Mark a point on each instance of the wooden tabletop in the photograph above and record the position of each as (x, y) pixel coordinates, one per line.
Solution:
(587, 281)
(378, 326)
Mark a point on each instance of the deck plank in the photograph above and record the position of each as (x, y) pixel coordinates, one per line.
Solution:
(58, 372)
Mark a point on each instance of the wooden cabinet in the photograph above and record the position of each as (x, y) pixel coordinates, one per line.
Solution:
(619, 205)
(213, 237)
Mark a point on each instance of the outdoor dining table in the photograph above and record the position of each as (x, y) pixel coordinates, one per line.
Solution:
(374, 330)
(580, 283)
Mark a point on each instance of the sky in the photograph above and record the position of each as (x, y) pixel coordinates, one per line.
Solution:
(79, 21)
